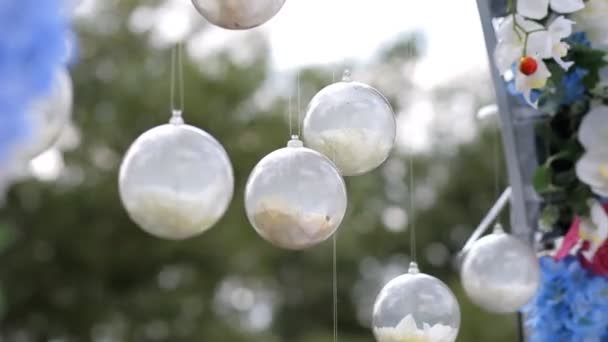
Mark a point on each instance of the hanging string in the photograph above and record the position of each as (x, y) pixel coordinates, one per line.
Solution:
(299, 104)
(335, 284)
(289, 110)
(412, 194)
(177, 72)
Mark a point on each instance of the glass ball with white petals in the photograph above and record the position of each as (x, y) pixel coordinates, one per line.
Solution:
(500, 273)
(351, 123)
(176, 180)
(48, 116)
(416, 307)
(295, 198)
(238, 14)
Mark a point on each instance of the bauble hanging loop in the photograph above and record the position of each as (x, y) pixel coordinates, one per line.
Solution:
(351, 123)
(295, 198)
(176, 180)
(238, 14)
(416, 307)
(500, 273)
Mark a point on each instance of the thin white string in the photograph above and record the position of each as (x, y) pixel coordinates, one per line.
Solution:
(335, 253)
(177, 71)
(289, 110)
(335, 284)
(412, 209)
(299, 104)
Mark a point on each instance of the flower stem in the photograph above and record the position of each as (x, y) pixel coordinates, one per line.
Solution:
(511, 6)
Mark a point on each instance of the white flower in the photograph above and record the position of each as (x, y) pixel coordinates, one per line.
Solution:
(559, 29)
(541, 43)
(525, 84)
(407, 331)
(538, 9)
(594, 229)
(511, 40)
(593, 21)
(593, 132)
(592, 168)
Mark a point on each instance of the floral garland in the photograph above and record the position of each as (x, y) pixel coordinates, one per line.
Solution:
(34, 39)
(553, 54)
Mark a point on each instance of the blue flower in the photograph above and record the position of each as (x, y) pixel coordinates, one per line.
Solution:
(571, 304)
(579, 38)
(33, 44)
(574, 88)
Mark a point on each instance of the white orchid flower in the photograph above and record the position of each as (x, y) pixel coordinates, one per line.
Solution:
(526, 83)
(511, 41)
(592, 21)
(592, 168)
(560, 29)
(593, 131)
(594, 229)
(538, 9)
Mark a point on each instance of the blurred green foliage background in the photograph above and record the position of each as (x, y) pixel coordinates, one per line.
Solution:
(73, 267)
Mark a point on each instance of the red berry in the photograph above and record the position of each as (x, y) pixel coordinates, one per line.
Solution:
(528, 65)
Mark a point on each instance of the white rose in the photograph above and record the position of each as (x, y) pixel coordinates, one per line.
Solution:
(593, 20)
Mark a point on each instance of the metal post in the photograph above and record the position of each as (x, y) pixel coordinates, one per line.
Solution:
(517, 127)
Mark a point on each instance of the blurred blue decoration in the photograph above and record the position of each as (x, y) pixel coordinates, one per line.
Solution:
(34, 41)
(571, 304)
(579, 38)
(574, 86)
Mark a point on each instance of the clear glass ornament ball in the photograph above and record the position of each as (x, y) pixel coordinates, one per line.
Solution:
(500, 273)
(295, 198)
(352, 124)
(416, 307)
(176, 181)
(238, 14)
(49, 115)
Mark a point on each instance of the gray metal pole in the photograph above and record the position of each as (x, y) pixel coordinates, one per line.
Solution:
(517, 127)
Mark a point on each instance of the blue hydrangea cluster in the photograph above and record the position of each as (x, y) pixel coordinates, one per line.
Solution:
(574, 86)
(34, 40)
(572, 304)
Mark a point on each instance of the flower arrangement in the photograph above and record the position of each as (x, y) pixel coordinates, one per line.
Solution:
(571, 305)
(553, 54)
(33, 45)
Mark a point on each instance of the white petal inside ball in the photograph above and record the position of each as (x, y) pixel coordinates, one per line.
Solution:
(238, 14)
(353, 125)
(295, 198)
(176, 181)
(416, 307)
(500, 273)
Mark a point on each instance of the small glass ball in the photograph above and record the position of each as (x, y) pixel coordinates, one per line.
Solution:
(238, 14)
(352, 124)
(500, 273)
(416, 307)
(295, 198)
(176, 181)
(48, 116)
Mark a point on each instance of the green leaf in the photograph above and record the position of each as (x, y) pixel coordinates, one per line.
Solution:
(542, 179)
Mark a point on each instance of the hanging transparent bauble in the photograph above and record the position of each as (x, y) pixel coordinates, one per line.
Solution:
(176, 180)
(416, 307)
(48, 116)
(295, 198)
(351, 123)
(500, 273)
(238, 14)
